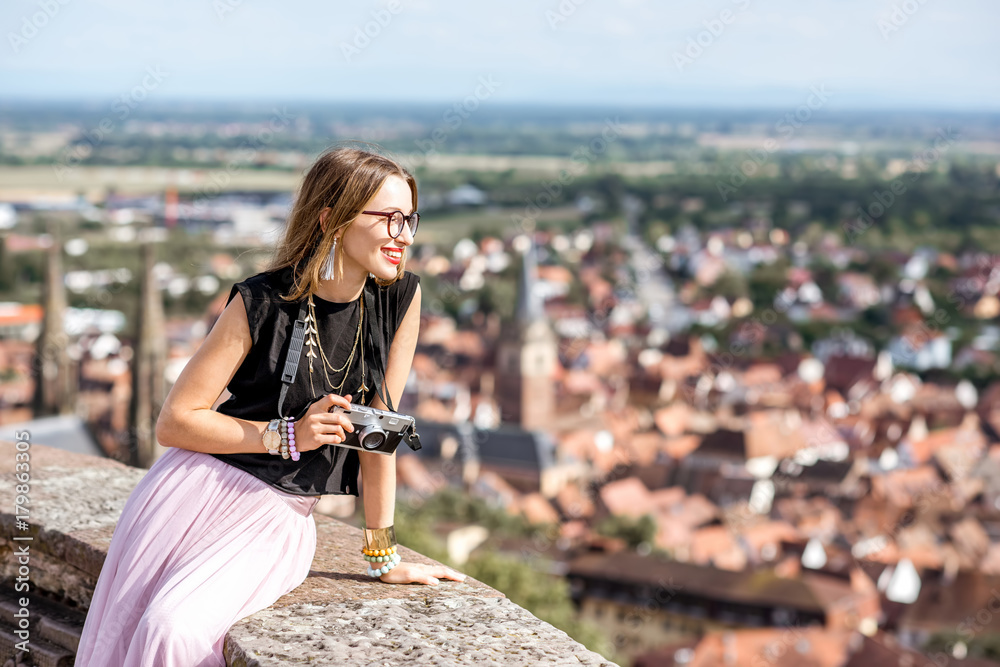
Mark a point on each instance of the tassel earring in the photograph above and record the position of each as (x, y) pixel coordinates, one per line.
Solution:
(329, 263)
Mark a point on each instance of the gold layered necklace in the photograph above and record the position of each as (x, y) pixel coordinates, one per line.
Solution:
(312, 341)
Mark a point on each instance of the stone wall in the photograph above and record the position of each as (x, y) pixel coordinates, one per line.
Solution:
(338, 616)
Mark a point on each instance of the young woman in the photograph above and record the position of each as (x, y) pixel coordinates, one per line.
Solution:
(221, 526)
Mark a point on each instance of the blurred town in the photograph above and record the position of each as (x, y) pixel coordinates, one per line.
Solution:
(700, 389)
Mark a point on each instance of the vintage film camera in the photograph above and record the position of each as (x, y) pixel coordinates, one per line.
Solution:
(378, 431)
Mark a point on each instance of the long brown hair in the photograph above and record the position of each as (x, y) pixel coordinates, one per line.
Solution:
(344, 179)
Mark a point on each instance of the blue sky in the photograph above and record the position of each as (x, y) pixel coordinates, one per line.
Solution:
(930, 54)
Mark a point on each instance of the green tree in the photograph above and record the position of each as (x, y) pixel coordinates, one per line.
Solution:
(984, 646)
(730, 285)
(633, 531)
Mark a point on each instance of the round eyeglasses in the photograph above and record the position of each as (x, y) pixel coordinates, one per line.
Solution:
(396, 219)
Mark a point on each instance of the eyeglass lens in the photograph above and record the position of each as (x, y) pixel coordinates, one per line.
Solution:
(396, 224)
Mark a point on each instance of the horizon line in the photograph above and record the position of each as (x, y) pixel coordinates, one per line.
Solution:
(431, 104)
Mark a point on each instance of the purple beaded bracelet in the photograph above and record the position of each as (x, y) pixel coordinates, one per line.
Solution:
(291, 441)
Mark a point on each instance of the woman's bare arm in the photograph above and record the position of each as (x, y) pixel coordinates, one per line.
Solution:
(378, 471)
(187, 420)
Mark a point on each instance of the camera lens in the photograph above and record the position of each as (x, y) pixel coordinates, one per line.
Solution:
(371, 437)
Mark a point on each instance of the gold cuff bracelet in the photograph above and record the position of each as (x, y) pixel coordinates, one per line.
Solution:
(379, 538)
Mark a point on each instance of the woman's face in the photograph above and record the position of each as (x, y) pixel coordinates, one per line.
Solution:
(366, 243)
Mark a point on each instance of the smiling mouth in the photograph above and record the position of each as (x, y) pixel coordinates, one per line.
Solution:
(394, 255)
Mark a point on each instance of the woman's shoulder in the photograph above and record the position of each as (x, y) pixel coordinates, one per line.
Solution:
(405, 284)
(393, 300)
(261, 300)
(408, 281)
(268, 285)
(404, 288)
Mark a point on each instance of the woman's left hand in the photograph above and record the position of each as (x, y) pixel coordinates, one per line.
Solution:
(416, 573)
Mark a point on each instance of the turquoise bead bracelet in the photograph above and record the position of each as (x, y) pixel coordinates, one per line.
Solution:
(389, 563)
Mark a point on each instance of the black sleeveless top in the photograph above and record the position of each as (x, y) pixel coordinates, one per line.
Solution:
(257, 383)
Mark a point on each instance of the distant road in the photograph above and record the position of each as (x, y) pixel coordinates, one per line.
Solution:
(654, 289)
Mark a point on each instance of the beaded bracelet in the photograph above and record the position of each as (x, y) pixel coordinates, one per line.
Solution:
(390, 562)
(380, 547)
(283, 431)
(291, 440)
(287, 430)
(378, 553)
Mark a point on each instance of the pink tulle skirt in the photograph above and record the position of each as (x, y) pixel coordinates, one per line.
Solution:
(199, 545)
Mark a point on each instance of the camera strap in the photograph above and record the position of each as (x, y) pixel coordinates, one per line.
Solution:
(292, 357)
(377, 345)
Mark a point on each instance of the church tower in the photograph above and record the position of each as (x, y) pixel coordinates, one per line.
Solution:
(54, 389)
(527, 357)
(148, 367)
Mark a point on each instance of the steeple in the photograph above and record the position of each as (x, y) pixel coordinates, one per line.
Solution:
(526, 357)
(529, 305)
(53, 393)
(148, 365)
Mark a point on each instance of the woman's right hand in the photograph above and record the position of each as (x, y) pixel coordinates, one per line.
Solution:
(318, 426)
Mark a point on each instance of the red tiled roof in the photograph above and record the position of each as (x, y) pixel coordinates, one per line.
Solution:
(555, 273)
(574, 503)
(772, 433)
(694, 510)
(536, 509)
(20, 313)
(498, 485)
(769, 532)
(643, 447)
(761, 373)
(680, 447)
(580, 381)
(627, 497)
(921, 451)
(716, 545)
(904, 488)
(664, 499)
(777, 647)
(411, 472)
(672, 420)
(434, 410)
